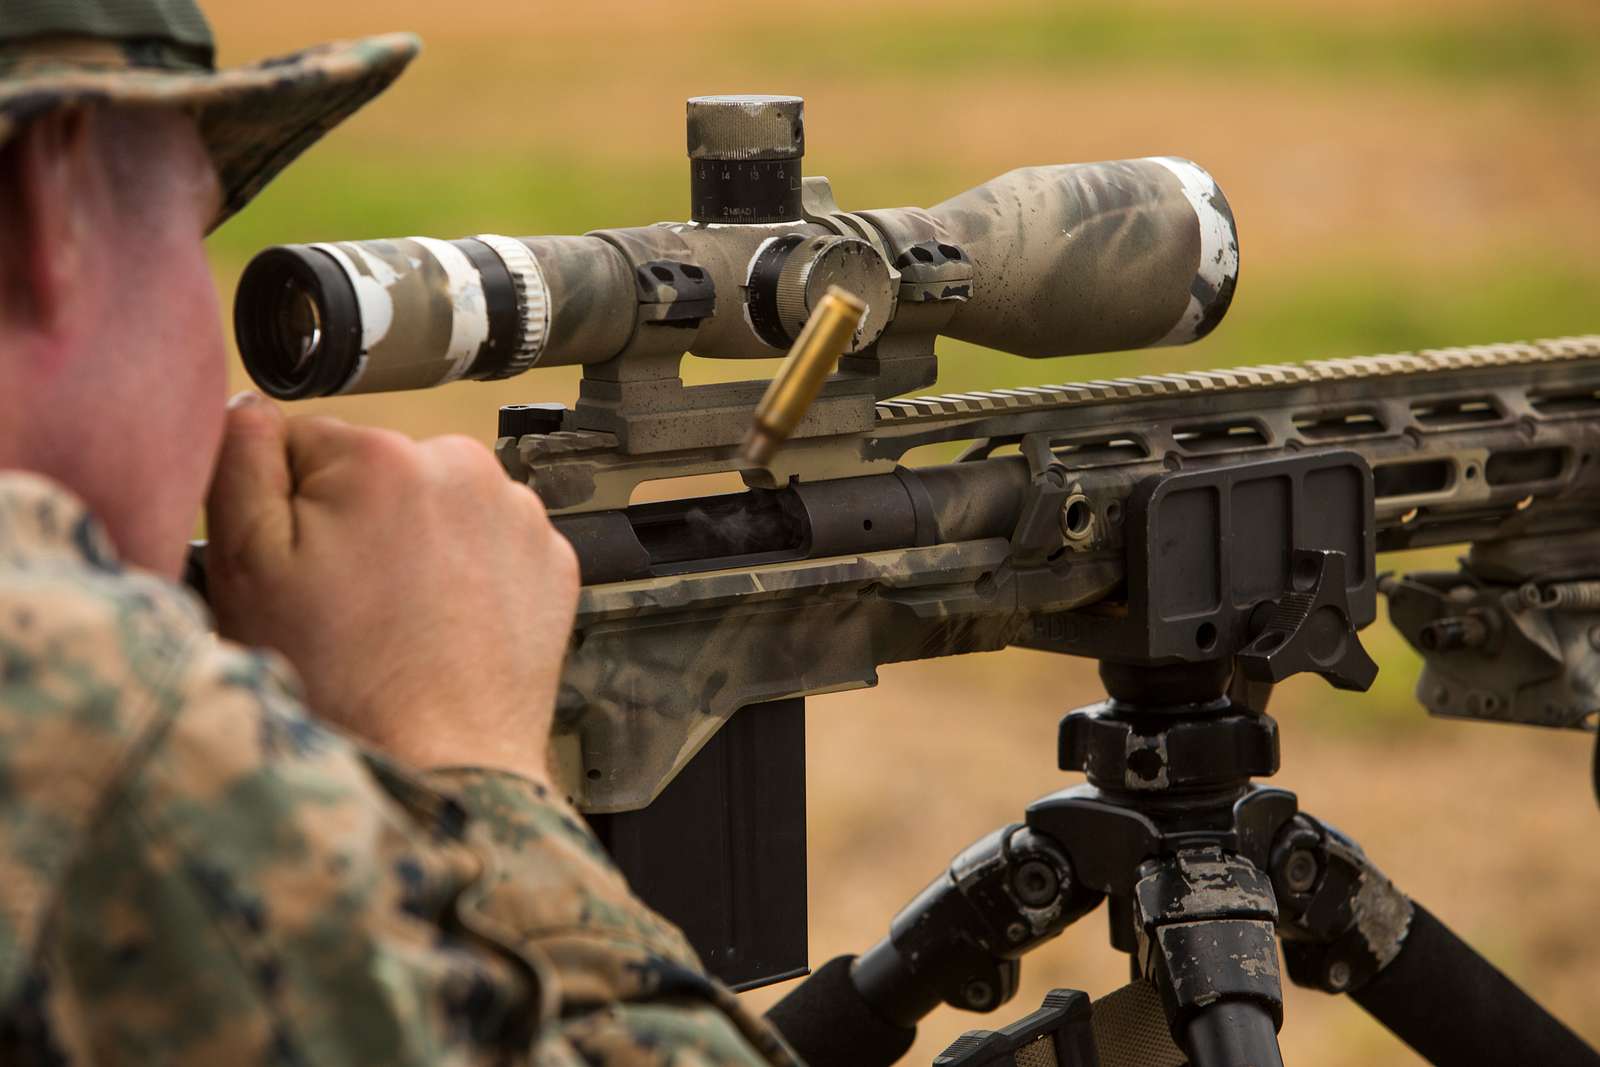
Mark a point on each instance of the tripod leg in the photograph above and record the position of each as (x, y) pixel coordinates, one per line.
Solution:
(1233, 1032)
(1347, 929)
(1206, 934)
(957, 943)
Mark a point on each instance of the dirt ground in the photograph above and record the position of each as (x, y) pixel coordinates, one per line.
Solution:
(1342, 165)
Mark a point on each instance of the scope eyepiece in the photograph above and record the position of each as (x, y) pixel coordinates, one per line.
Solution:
(368, 316)
(297, 323)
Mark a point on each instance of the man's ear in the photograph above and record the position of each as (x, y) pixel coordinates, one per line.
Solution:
(57, 183)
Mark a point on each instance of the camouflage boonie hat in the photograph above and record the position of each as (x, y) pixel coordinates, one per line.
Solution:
(254, 119)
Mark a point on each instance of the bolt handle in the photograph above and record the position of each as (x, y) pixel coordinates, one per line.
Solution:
(1309, 628)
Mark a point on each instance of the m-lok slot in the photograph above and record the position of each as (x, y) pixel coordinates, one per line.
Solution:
(1230, 436)
(1454, 411)
(1338, 425)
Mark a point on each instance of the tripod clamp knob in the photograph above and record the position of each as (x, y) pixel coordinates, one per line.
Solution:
(959, 942)
(1342, 921)
(1309, 627)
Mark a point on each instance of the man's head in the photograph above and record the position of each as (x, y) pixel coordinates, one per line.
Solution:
(120, 148)
(110, 338)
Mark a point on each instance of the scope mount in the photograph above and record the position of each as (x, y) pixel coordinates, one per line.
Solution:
(640, 397)
(746, 170)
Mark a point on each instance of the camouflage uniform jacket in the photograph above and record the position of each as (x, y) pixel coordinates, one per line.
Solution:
(194, 871)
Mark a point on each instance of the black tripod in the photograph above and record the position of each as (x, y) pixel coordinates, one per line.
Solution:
(1203, 872)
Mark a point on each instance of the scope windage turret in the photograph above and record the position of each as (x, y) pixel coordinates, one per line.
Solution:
(1043, 261)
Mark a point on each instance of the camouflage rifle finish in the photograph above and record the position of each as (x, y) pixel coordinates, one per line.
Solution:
(1491, 445)
(840, 558)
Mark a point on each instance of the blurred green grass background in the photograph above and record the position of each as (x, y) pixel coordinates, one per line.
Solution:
(1404, 176)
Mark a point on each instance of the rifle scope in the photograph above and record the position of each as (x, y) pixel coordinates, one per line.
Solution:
(1042, 261)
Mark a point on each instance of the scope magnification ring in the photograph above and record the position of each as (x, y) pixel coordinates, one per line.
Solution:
(532, 301)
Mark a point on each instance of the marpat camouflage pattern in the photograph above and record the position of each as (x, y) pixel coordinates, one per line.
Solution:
(198, 872)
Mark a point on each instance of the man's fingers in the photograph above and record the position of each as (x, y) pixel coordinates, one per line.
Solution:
(248, 509)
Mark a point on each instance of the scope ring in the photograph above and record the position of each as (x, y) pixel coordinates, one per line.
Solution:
(532, 301)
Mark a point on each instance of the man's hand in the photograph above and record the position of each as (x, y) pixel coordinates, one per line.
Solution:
(424, 597)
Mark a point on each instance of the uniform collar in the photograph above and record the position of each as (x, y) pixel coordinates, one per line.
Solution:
(40, 521)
